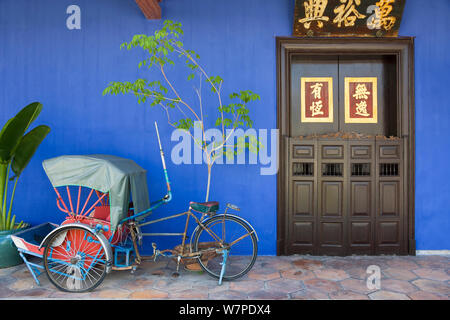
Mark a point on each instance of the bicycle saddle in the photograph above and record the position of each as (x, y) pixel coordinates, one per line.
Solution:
(205, 207)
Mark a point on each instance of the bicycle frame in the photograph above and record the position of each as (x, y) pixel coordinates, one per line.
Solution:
(184, 235)
(223, 250)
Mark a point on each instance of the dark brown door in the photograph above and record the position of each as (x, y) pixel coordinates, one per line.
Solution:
(341, 186)
(345, 197)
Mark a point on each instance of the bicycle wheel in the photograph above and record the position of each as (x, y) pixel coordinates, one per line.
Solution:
(236, 236)
(75, 260)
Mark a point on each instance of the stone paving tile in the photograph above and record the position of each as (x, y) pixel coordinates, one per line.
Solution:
(309, 294)
(347, 295)
(341, 263)
(322, 285)
(434, 262)
(264, 274)
(9, 271)
(5, 281)
(23, 284)
(422, 295)
(388, 295)
(227, 295)
(402, 263)
(357, 273)
(295, 274)
(268, 295)
(189, 295)
(288, 277)
(356, 285)
(331, 274)
(173, 285)
(149, 294)
(5, 292)
(399, 274)
(36, 293)
(109, 293)
(138, 284)
(307, 264)
(397, 286)
(21, 274)
(432, 286)
(247, 285)
(432, 274)
(56, 294)
(209, 284)
(278, 264)
(284, 285)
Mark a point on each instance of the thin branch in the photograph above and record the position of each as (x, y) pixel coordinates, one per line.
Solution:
(199, 94)
(217, 90)
(176, 93)
(166, 109)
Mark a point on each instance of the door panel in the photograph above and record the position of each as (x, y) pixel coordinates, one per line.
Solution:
(303, 196)
(312, 67)
(304, 232)
(380, 67)
(331, 199)
(360, 233)
(360, 199)
(389, 198)
(388, 233)
(340, 211)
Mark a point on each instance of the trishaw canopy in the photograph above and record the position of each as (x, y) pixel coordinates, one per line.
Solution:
(105, 173)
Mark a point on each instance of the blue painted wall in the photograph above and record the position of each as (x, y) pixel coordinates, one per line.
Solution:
(67, 70)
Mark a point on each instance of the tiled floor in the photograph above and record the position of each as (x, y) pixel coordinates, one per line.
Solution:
(293, 277)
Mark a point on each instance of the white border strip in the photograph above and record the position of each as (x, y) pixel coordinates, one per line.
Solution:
(432, 252)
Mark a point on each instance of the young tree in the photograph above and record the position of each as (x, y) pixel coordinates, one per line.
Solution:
(182, 114)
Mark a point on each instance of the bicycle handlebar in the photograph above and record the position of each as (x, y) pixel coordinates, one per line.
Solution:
(168, 196)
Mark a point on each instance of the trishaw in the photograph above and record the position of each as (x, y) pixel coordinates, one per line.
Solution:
(105, 199)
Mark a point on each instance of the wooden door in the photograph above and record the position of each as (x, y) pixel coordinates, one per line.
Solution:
(341, 185)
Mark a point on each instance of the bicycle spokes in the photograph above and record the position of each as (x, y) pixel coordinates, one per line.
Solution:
(237, 248)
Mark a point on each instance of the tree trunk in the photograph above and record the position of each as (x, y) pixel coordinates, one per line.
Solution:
(209, 183)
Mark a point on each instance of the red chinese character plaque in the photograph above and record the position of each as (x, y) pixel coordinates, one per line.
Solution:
(361, 100)
(317, 99)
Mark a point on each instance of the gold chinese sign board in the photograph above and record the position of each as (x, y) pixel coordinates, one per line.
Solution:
(317, 99)
(361, 18)
(361, 100)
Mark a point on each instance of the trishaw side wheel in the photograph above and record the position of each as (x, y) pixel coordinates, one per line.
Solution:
(75, 259)
(238, 239)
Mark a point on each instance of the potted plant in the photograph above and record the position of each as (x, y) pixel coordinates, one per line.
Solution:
(17, 147)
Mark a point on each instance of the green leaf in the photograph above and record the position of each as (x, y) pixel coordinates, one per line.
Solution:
(185, 124)
(27, 147)
(4, 127)
(15, 128)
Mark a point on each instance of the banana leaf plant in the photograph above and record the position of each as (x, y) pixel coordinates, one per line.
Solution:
(17, 147)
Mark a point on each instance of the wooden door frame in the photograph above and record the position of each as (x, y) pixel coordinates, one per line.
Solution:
(403, 49)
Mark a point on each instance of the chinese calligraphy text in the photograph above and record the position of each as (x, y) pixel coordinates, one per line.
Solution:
(380, 18)
(317, 99)
(361, 100)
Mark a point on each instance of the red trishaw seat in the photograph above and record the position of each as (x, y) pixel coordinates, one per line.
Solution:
(101, 213)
